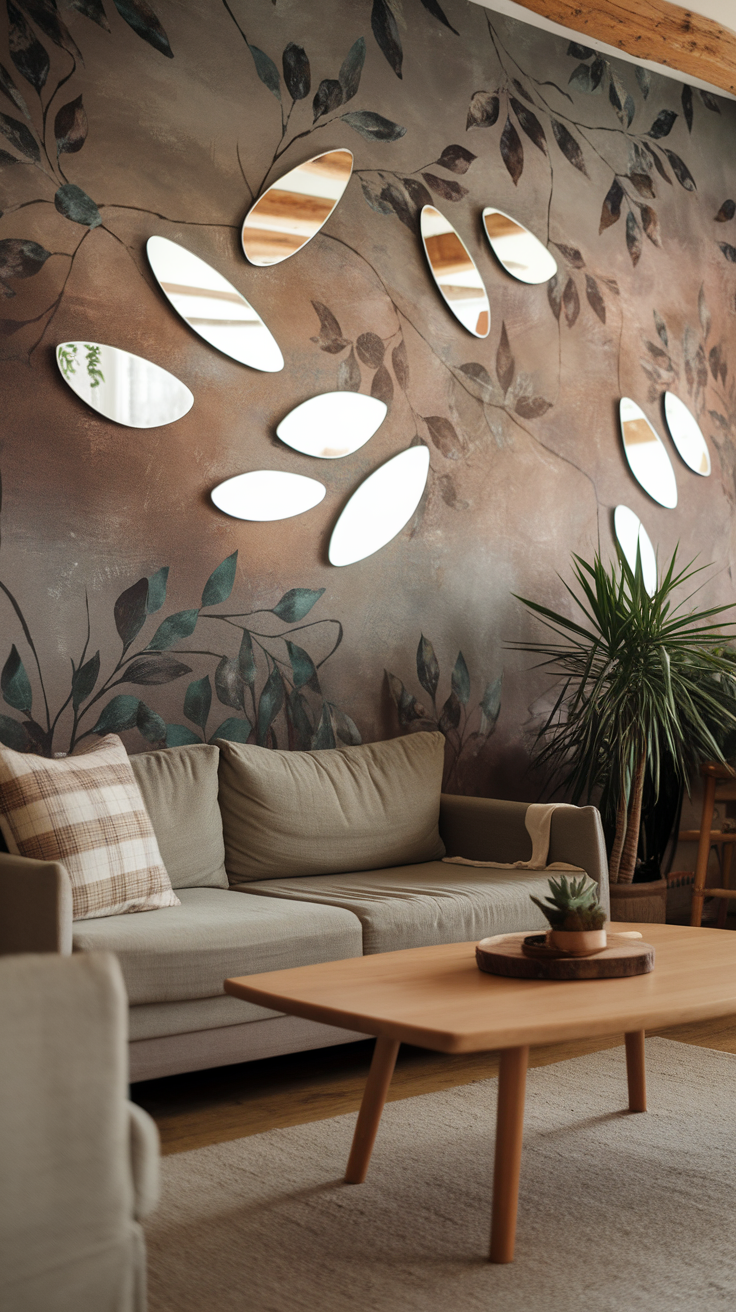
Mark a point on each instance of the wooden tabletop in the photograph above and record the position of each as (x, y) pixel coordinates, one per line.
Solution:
(437, 998)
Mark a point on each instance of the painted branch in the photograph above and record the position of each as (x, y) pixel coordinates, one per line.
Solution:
(631, 845)
(652, 29)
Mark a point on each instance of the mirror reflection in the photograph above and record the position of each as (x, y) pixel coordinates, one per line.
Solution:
(265, 494)
(455, 272)
(123, 387)
(332, 425)
(292, 211)
(632, 535)
(646, 454)
(379, 509)
(212, 306)
(686, 434)
(517, 249)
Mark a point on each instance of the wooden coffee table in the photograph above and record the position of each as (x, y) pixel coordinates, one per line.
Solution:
(437, 998)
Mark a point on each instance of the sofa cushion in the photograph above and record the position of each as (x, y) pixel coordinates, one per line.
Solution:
(288, 814)
(415, 906)
(86, 811)
(188, 951)
(179, 787)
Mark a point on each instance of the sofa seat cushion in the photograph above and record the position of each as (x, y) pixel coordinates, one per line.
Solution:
(187, 951)
(415, 906)
(179, 786)
(288, 814)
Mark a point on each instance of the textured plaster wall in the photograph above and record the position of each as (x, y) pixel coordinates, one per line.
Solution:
(171, 124)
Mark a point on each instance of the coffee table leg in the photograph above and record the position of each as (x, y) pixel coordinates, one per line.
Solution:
(369, 1116)
(507, 1164)
(635, 1071)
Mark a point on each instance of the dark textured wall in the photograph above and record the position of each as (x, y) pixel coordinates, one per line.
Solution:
(169, 126)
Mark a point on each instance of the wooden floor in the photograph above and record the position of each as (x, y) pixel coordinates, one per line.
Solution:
(232, 1102)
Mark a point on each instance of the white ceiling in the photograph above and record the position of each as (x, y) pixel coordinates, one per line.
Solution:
(721, 11)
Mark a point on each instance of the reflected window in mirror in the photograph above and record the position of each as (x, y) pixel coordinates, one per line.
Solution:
(332, 425)
(632, 537)
(379, 509)
(455, 272)
(267, 494)
(647, 456)
(212, 307)
(293, 209)
(517, 249)
(687, 435)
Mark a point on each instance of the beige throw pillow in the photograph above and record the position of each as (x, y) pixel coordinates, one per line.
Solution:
(179, 789)
(329, 812)
(86, 811)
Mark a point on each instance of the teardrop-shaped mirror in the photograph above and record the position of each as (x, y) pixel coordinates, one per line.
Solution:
(332, 425)
(631, 535)
(647, 456)
(123, 387)
(686, 434)
(212, 306)
(516, 248)
(455, 272)
(264, 494)
(292, 211)
(380, 508)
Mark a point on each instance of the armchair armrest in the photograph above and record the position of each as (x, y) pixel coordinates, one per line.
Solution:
(485, 829)
(144, 1160)
(35, 906)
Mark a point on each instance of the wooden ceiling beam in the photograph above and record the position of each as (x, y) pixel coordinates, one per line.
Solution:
(651, 29)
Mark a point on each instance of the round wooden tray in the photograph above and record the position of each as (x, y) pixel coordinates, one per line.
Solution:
(505, 954)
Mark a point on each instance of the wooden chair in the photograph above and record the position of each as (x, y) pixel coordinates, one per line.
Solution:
(720, 786)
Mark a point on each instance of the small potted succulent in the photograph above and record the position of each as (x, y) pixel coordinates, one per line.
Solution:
(575, 915)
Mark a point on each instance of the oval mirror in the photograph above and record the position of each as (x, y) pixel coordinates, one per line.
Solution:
(517, 249)
(632, 535)
(332, 425)
(264, 494)
(686, 434)
(455, 272)
(292, 211)
(646, 454)
(212, 306)
(379, 509)
(123, 387)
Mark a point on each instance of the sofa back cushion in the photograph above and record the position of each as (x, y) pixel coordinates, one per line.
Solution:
(329, 812)
(179, 787)
(86, 811)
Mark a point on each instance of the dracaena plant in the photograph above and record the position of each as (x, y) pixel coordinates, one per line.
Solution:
(645, 685)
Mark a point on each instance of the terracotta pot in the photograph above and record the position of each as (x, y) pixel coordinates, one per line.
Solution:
(646, 902)
(578, 942)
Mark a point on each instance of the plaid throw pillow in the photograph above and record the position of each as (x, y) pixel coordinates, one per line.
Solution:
(86, 811)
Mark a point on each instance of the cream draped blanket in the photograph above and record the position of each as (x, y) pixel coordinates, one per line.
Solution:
(538, 820)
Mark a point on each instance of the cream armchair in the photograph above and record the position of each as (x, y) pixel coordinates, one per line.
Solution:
(79, 1163)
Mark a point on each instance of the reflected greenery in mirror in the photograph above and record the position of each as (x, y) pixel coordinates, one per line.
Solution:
(455, 272)
(517, 249)
(292, 211)
(212, 307)
(646, 454)
(123, 387)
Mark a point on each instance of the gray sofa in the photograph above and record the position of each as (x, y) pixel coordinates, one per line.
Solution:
(174, 960)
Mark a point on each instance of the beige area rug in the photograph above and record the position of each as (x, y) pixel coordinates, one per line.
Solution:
(617, 1213)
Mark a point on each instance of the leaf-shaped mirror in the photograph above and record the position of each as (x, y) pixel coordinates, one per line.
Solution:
(264, 494)
(292, 211)
(332, 425)
(646, 454)
(380, 508)
(516, 248)
(455, 272)
(631, 535)
(212, 306)
(123, 387)
(686, 434)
